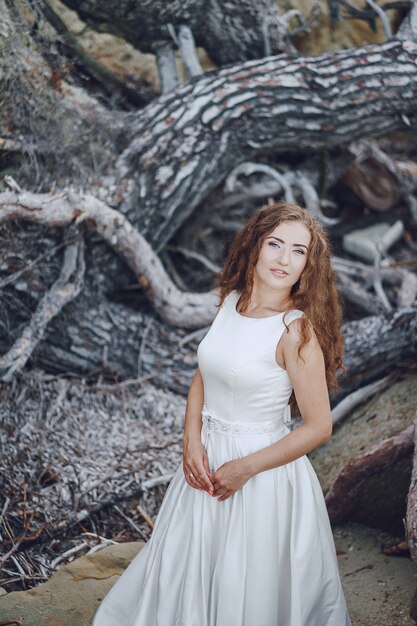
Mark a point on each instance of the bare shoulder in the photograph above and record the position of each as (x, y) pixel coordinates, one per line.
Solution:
(288, 352)
(292, 334)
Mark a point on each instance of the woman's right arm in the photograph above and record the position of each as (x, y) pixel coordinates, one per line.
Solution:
(195, 400)
(195, 459)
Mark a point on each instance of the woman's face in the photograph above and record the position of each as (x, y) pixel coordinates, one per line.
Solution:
(283, 255)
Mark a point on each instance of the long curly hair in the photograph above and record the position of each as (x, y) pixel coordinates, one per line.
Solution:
(315, 293)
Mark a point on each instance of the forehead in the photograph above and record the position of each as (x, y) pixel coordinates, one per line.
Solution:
(291, 232)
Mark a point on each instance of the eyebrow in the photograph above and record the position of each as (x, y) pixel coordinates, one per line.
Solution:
(301, 245)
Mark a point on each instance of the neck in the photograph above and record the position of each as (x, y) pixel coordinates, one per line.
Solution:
(264, 298)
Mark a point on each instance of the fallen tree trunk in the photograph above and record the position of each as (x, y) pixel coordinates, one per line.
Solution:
(164, 160)
(230, 31)
(93, 336)
(112, 340)
(183, 144)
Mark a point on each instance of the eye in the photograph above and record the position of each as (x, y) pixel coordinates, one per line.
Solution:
(275, 244)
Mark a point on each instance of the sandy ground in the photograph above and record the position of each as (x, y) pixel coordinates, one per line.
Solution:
(378, 588)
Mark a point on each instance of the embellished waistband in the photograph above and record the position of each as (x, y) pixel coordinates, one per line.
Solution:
(248, 429)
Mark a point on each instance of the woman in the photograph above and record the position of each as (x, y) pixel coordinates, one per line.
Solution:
(243, 537)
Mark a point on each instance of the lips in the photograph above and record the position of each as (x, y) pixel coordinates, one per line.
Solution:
(279, 272)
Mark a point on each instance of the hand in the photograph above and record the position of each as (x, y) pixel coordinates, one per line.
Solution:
(195, 462)
(229, 477)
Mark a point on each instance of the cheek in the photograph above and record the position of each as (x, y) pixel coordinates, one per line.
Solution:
(264, 256)
(270, 253)
(302, 262)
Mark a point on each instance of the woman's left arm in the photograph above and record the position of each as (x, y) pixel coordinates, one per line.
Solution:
(308, 378)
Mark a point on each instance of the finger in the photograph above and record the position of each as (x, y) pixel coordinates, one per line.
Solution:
(198, 477)
(225, 496)
(207, 469)
(188, 475)
(206, 463)
(193, 483)
(194, 475)
(220, 490)
(192, 480)
(204, 480)
(201, 476)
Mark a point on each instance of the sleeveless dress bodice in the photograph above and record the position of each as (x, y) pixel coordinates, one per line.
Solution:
(242, 380)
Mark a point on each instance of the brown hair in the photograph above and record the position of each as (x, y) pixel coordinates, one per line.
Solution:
(315, 293)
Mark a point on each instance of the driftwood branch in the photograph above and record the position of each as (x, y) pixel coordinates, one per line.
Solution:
(167, 67)
(109, 501)
(350, 402)
(369, 15)
(285, 182)
(408, 28)
(187, 48)
(65, 289)
(177, 308)
(355, 277)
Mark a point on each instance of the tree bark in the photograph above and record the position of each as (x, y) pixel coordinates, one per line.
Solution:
(111, 340)
(230, 32)
(184, 144)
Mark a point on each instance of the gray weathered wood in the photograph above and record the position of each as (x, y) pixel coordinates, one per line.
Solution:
(184, 144)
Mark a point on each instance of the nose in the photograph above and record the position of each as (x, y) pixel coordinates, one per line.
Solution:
(283, 255)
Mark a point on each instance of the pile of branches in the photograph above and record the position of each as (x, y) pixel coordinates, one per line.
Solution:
(81, 466)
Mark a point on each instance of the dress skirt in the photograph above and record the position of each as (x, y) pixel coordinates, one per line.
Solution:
(263, 557)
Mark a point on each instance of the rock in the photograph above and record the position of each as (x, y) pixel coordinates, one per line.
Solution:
(380, 499)
(368, 484)
(71, 596)
(365, 242)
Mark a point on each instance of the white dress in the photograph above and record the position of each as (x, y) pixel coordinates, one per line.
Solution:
(266, 555)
